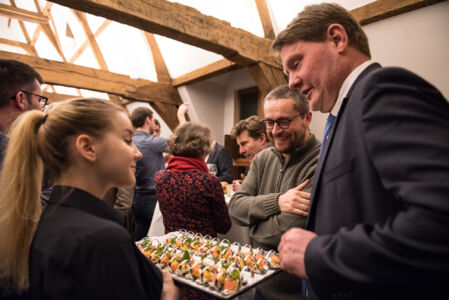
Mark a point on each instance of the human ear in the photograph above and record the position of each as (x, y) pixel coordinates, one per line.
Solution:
(85, 147)
(20, 100)
(308, 118)
(338, 37)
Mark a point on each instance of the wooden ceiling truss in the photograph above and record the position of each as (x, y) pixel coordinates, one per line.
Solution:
(173, 20)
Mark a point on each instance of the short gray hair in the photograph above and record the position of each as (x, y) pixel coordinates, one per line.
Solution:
(300, 103)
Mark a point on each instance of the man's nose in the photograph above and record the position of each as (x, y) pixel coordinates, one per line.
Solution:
(294, 82)
(276, 128)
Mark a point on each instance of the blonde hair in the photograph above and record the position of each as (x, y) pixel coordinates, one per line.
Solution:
(190, 140)
(38, 137)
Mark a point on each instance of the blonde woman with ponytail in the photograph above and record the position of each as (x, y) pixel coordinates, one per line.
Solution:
(77, 247)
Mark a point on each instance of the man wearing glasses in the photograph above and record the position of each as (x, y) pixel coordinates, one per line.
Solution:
(20, 91)
(274, 196)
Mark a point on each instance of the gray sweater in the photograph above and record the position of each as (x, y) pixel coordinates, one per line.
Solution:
(256, 205)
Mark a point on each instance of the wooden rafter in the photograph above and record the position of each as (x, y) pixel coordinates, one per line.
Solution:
(161, 68)
(211, 70)
(91, 39)
(167, 111)
(265, 19)
(22, 14)
(95, 48)
(184, 24)
(24, 31)
(65, 74)
(86, 43)
(24, 46)
(55, 97)
(266, 78)
(382, 9)
(36, 34)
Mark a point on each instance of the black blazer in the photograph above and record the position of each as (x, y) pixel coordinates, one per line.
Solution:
(380, 199)
(81, 251)
(222, 158)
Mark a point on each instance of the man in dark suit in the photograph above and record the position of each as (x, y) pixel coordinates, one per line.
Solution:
(219, 162)
(378, 225)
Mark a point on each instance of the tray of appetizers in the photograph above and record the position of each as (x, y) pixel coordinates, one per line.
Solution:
(217, 267)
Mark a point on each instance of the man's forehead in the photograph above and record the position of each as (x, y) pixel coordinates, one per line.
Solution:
(284, 104)
(244, 136)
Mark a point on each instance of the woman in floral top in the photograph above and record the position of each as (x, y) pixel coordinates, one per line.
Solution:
(189, 196)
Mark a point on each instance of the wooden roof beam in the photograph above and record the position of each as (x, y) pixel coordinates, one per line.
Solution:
(65, 74)
(86, 43)
(211, 70)
(22, 14)
(265, 19)
(24, 46)
(383, 9)
(95, 48)
(184, 24)
(167, 111)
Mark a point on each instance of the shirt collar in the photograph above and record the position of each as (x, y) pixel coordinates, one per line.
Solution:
(82, 200)
(141, 132)
(349, 81)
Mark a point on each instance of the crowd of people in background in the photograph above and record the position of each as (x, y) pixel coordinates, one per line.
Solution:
(363, 214)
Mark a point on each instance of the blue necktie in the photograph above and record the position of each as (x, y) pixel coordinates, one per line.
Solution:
(327, 127)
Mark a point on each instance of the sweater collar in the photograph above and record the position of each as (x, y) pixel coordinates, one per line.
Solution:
(186, 164)
(76, 198)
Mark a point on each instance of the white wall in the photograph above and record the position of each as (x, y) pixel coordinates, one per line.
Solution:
(239, 80)
(206, 105)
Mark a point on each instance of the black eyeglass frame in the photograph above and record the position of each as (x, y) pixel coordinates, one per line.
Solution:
(42, 99)
(283, 123)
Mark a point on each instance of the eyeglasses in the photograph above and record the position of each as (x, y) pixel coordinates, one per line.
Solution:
(42, 99)
(284, 123)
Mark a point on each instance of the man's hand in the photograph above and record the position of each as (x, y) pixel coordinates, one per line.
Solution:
(169, 290)
(236, 183)
(292, 249)
(295, 200)
(182, 110)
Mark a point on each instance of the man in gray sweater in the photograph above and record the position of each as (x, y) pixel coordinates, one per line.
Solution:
(274, 196)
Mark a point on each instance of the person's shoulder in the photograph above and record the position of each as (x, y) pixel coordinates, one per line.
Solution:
(211, 178)
(265, 154)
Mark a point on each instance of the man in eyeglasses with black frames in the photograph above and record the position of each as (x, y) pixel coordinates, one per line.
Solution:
(274, 196)
(20, 91)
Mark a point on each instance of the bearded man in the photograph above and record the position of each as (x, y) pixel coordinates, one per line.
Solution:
(275, 195)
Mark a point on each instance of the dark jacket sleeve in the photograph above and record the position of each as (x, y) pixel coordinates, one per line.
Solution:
(224, 165)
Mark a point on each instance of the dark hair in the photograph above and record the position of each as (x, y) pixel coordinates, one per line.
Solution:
(156, 122)
(16, 76)
(300, 103)
(256, 128)
(190, 139)
(311, 26)
(139, 115)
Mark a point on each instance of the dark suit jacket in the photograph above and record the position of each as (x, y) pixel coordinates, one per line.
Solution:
(380, 201)
(222, 158)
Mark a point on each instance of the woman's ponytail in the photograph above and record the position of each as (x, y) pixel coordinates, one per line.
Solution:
(20, 206)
